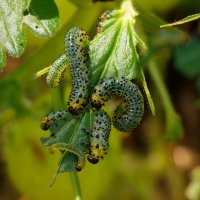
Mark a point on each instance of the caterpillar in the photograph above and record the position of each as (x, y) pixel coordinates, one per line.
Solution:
(99, 136)
(76, 42)
(66, 147)
(56, 71)
(105, 15)
(51, 118)
(129, 113)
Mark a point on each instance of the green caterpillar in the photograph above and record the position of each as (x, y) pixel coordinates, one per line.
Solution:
(56, 71)
(99, 136)
(51, 118)
(76, 42)
(129, 113)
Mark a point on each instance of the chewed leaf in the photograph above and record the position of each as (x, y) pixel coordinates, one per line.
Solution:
(69, 135)
(12, 16)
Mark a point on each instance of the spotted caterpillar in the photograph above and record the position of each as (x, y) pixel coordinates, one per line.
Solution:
(129, 113)
(51, 118)
(76, 42)
(56, 71)
(99, 136)
(66, 147)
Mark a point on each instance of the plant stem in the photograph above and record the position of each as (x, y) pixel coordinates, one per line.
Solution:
(156, 76)
(58, 104)
(76, 185)
(174, 126)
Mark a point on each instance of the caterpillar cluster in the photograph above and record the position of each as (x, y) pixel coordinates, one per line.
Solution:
(99, 136)
(76, 42)
(125, 117)
(129, 113)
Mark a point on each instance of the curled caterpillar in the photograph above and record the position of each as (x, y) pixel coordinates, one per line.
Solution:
(51, 118)
(56, 71)
(99, 136)
(66, 147)
(76, 42)
(129, 113)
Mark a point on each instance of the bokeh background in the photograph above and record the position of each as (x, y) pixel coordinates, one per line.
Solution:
(159, 160)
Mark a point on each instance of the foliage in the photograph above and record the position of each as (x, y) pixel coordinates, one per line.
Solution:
(31, 12)
(143, 166)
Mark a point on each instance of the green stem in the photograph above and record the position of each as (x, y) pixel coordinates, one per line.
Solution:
(58, 104)
(76, 185)
(174, 126)
(156, 76)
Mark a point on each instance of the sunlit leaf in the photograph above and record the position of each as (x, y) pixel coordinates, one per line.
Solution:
(42, 28)
(113, 52)
(12, 16)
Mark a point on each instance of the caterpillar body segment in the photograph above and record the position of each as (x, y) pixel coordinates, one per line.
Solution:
(99, 136)
(76, 43)
(128, 114)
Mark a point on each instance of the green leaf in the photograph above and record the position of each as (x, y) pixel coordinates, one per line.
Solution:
(183, 21)
(187, 60)
(42, 21)
(42, 28)
(12, 35)
(71, 133)
(39, 9)
(2, 58)
(113, 51)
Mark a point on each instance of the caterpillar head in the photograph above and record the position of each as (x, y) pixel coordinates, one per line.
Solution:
(46, 122)
(96, 153)
(96, 101)
(92, 160)
(76, 107)
(79, 165)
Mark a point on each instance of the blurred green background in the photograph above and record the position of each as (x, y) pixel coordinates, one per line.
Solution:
(158, 161)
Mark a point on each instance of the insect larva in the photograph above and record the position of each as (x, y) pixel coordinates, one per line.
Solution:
(56, 71)
(76, 42)
(66, 147)
(105, 15)
(51, 118)
(99, 136)
(129, 113)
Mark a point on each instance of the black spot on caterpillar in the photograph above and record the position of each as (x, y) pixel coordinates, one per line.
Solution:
(129, 113)
(99, 136)
(76, 42)
(56, 71)
(51, 118)
(66, 147)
